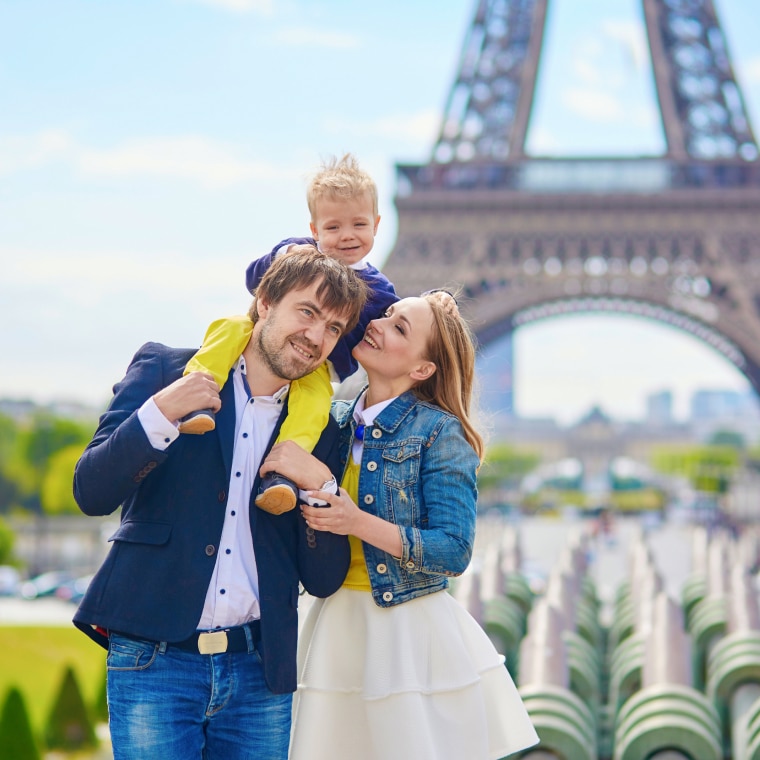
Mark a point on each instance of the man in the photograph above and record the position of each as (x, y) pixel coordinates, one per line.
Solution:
(197, 599)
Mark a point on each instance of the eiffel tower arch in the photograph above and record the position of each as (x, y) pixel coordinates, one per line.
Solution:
(674, 237)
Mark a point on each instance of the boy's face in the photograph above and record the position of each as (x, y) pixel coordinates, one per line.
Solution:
(345, 227)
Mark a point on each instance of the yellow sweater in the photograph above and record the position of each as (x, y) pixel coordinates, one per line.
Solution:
(357, 577)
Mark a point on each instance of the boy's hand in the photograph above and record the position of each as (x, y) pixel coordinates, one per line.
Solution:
(197, 390)
(289, 459)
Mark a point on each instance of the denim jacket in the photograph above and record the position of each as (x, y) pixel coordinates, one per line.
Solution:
(417, 471)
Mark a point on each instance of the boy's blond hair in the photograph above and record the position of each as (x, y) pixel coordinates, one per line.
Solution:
(340, 178)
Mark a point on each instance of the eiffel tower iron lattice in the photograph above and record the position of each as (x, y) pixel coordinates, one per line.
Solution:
(674, 238)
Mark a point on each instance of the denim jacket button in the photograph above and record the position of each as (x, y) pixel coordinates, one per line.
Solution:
(377, 433)
(410, 565)
(387, 596)
(369, 498)
(371, 466)
(382, 568)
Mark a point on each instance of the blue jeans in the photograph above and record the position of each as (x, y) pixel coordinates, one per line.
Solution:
(168, 704)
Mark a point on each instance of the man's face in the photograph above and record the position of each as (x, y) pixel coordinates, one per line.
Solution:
(297, 334)
(345, 228)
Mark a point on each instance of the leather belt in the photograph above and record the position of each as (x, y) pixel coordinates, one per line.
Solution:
(223, 640)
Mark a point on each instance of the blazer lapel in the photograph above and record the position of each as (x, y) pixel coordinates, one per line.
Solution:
(225, 422)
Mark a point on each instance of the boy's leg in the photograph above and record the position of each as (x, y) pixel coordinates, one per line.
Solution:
(223, 343)
(308, 411)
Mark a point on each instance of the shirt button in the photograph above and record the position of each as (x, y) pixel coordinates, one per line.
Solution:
(382, 568)
(377, 433)
(387, 596)
(371, 466)
(369, 498)
(210, 550)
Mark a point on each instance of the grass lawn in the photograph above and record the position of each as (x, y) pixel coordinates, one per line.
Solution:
(33, 658)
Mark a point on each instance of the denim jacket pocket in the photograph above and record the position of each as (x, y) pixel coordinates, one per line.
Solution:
(401, 463)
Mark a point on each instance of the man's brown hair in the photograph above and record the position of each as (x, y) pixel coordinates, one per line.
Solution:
(340, 289)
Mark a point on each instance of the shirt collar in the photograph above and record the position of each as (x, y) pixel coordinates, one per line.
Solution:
(366, 416)
(277, 397)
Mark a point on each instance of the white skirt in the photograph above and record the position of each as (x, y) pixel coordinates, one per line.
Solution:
(420, 679)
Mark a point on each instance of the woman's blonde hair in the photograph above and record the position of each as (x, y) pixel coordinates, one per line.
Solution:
(451, 348)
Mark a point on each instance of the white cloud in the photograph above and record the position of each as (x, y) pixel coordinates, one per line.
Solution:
(306, 36)
(190, 157)
(632, 36)
(596, 105)
(195, 158)
(263, 7)
(20, 152)
(421, 126)
(750, 70)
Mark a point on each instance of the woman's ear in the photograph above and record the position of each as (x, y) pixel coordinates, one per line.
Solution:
(423, 372)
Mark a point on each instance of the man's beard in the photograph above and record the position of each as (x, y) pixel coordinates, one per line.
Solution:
(274, 356)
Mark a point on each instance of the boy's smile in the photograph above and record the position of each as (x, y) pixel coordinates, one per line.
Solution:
(345, 227)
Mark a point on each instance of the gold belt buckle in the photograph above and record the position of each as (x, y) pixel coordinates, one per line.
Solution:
(213, 642)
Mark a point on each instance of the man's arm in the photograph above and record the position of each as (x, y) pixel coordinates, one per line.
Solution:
(120, 455)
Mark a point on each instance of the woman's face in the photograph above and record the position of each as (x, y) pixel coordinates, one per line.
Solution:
(394, 346)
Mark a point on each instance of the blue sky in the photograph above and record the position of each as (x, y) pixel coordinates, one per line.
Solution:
(149, 149)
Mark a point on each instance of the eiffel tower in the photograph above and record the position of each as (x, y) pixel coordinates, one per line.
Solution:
(674, 238)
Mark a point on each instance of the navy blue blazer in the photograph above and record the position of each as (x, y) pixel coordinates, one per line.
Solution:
(153, 583)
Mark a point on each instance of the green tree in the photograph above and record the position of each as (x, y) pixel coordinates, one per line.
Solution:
(7, 539)
(56, 494)
(505, 464)
(100, 706)
(708, 468)
(16, 738)
(69, 726)
(38, 441)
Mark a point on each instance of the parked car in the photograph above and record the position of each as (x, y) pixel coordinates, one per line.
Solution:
(9, 580)
(43, 585)
(73, 590)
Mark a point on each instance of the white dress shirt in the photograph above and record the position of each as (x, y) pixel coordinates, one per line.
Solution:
(233, 593)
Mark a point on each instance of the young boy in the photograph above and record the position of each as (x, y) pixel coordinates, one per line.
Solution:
(342, 200)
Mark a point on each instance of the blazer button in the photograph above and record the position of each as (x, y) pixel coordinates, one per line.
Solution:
(210, 550)
(151, 465)
(369, 498)
(387, 596)
(371, 466)
(377, 433)
(222, 496)
(382, 568)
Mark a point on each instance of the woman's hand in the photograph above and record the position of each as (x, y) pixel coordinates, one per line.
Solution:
(340, 516)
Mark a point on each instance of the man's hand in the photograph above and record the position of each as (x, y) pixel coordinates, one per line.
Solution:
(197, 390)
(289, 459)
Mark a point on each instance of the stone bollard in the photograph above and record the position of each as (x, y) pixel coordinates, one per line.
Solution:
(667, 717)
(634, 613)
(733, 668)
(708, 618)
(564, 723)
(695, 587)
(503, 618)
(467, 593)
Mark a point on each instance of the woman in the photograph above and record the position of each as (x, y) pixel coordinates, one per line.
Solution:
(391, 665)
